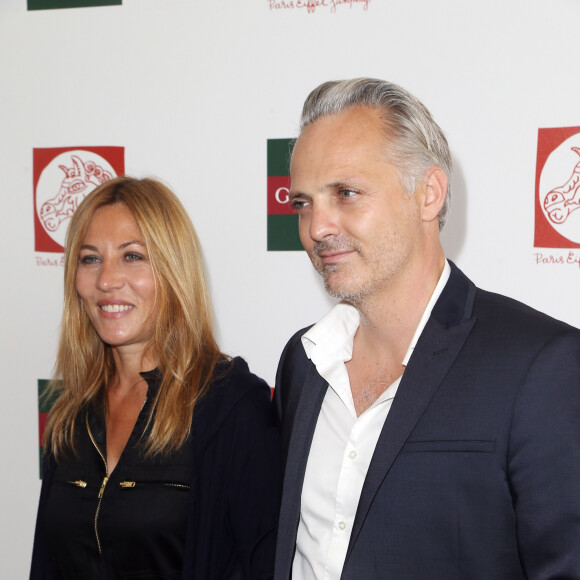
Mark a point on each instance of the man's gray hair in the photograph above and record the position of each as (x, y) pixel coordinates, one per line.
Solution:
(415, 141)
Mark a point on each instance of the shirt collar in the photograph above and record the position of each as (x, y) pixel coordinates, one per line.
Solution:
(334, 333)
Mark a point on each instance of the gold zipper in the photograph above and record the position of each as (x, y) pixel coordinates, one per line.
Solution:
(78, 483)
(129, 484)
(103, 484)
(105, 479)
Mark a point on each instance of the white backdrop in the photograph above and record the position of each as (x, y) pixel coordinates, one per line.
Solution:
(192, 90)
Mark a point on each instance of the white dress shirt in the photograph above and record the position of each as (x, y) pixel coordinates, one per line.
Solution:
(342, 446)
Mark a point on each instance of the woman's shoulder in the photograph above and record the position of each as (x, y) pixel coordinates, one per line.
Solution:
(235, 394)
(234, 374)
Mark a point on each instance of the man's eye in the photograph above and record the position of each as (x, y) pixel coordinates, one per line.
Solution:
(298, 204)
(347, 193)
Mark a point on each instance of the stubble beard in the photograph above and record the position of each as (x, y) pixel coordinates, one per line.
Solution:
(379, 268)
(348, 290)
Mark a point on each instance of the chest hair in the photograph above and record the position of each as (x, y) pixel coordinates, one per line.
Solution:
(367, 385)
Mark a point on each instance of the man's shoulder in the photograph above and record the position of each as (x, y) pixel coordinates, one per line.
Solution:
(293, 363)
(295, 341)
(296, 338)
(500, 313)
(507, 312)
(294, 348)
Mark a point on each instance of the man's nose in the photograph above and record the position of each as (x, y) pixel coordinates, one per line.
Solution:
(323, 221)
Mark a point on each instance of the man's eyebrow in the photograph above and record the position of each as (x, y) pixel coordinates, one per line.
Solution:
(346, 182)
(293, 194)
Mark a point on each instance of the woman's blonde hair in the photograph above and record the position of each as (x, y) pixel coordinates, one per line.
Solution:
(183, 341)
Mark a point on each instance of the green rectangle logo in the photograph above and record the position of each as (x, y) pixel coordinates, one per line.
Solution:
(283, 233)
(282, 219)
(54, 4)
(279, 153)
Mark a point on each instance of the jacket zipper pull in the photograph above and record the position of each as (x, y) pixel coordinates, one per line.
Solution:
(101, 491)
(78, 483)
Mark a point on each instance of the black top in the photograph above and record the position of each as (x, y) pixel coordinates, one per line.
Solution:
(133, 524)
(207, 511)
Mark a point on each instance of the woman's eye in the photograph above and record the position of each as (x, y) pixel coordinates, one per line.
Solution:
(88, 259)
(133, 257)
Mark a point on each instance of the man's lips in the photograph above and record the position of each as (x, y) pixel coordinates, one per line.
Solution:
(334, 255)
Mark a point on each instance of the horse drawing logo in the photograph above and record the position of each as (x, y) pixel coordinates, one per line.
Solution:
(79, 181)
(558, 188)
(561, 201)
(63, 183)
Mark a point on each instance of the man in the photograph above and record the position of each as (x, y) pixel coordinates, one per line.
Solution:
(431, 430)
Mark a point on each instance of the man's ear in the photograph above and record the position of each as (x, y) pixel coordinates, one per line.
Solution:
(435, 191)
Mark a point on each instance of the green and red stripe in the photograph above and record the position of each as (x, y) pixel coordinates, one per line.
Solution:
(282, 220)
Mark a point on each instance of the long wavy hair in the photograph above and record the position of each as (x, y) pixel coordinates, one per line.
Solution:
(183, 341)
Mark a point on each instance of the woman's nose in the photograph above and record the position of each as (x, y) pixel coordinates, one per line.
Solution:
(110, 276)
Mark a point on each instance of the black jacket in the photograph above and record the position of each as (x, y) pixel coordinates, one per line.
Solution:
(233, 498)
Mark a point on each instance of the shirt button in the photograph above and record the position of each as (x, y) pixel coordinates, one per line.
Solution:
(342, 526)
(352, 455)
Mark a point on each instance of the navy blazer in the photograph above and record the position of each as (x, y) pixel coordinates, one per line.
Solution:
(476, 473)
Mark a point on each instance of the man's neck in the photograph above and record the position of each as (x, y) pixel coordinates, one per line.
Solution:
(389, 318)
(388, 322)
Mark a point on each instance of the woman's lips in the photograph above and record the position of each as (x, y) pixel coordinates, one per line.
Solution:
(116, 307)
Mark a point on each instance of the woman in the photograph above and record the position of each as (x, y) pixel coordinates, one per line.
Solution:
(161, 456)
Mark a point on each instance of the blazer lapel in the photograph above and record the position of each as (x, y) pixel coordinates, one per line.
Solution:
(305, 418)
(440, 342)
